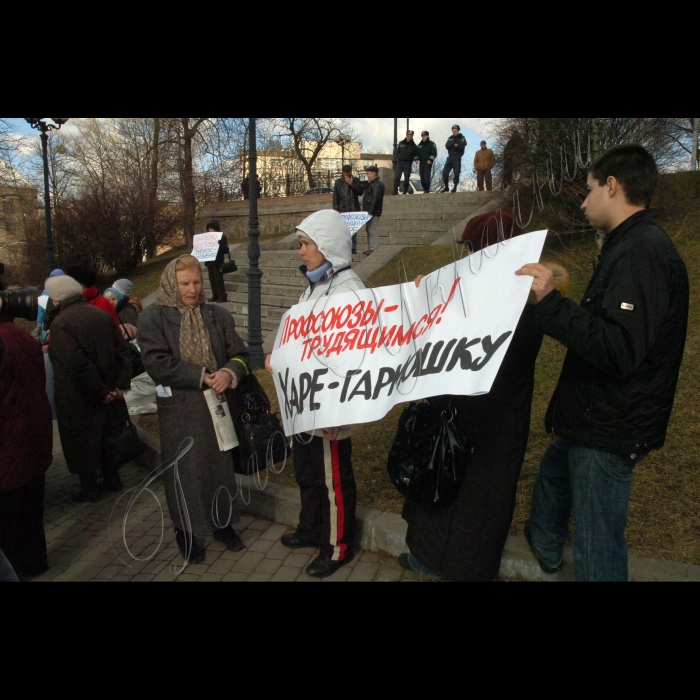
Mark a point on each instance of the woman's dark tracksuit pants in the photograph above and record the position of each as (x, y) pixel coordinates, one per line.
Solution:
(323, 470)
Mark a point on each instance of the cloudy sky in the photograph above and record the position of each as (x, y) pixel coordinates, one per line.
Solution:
(378, 133)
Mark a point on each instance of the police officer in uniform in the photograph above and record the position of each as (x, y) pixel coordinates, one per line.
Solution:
(427, 153)
(407, 153)
(456, 145)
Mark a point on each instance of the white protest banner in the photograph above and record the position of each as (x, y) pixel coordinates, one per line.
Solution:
(351, 356)
(356, 220)
(206, 246)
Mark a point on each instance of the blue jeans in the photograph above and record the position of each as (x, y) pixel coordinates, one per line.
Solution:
(596, 485)
(7, 573)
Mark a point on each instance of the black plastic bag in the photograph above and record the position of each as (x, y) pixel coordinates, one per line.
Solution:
(428, 459)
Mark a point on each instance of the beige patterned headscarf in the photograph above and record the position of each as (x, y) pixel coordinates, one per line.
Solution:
(195, 343)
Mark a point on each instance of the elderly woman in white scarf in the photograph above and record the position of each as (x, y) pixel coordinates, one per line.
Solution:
(187, 347)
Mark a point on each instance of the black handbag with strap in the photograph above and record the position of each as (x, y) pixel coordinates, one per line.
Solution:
(260, 434)
(428, 459)
(121, 443)
(137, 367)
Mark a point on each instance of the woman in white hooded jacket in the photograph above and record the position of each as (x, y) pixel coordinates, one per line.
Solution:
(323, 459)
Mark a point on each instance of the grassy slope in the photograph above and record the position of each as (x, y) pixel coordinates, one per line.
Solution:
(664, 521)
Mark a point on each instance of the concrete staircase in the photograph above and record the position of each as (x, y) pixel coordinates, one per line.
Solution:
(406, 221)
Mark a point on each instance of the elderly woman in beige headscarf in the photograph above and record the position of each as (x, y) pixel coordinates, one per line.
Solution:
(187, 347)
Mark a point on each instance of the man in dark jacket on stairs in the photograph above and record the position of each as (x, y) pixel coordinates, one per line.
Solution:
(456, 145)
(616, 390)
(406, 154)
(427, 154)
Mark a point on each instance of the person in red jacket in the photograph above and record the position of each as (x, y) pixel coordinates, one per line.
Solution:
(26, 446)
(88, 280)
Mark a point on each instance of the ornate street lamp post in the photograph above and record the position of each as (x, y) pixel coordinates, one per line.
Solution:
(44, 128)
(255, 339)
(342, 140)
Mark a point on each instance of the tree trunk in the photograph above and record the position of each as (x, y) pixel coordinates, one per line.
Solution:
(188, 194)
(153, 189)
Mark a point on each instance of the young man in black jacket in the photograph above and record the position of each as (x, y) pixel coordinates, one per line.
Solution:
(427, 153)
(407, 153)
(456, 145)
(615, 394)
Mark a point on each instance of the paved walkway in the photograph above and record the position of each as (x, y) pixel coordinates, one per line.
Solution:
(78, 537)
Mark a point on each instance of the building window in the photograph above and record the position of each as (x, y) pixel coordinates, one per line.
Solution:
(8, 206)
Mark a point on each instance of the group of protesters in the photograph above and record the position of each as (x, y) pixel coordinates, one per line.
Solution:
(612, 405)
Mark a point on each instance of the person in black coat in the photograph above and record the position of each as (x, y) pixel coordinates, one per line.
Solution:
(456, 145)
(92, 367)
(464, 541)
(427, 154)
(406, 154)
(216, 278)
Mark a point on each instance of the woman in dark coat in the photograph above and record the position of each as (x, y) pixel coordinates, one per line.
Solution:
(464, 541)
(187, 347)
(216, 277)
(26, 442)
(91, 369)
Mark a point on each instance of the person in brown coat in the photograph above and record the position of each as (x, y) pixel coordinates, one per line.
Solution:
(484, 162)
(91, 369)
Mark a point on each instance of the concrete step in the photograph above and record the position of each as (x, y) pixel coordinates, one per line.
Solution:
(242, 321)
(269, 313)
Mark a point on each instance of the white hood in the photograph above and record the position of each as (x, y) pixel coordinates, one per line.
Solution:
(330, 232)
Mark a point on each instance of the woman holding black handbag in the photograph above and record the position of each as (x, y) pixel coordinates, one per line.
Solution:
(464, 540)
(188, 347)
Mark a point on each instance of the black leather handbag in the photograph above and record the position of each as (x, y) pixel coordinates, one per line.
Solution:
(121, 443)
(260, 434)
(428, 459)
(229, 267)
(137, 367)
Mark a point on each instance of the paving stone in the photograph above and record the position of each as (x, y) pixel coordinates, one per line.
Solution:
(268, 566)
(235, 576)
(211, 578)
(222, 566)
(304, 578)
(371, 557)
(187, 578)
(259, 524)
(248, 562)
(108, 571)
(340, 576)
(143, 578)
(286, 573)
(249, 537)
(231, 556)
(364, 571)
(165, 576)
(121, 578)
(278, 551)
(297, 560)
(274, 532)
(263, 546)
(390, 570)
(258, 576)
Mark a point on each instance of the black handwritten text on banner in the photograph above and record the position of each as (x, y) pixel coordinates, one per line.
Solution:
(349, 357)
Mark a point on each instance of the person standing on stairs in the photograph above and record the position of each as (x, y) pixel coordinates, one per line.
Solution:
(216, 278)
(323, 458)
(372, 203)
(346, 196)
(456, 145)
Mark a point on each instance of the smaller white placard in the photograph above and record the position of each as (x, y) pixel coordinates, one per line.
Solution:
(206, 246)
(356, 220)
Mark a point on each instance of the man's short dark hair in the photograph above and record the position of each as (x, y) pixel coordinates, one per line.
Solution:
(634, 168)
(347, 168)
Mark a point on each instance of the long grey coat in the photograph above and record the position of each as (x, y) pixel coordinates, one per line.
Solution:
(204, 469)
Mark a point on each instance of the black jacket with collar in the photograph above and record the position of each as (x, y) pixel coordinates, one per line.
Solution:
(346, 198)
(373, 201)
(407, 150)
(427, 151)
(625, 343)
(456, 145)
